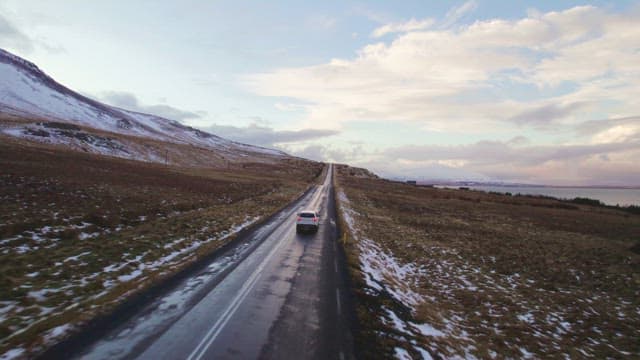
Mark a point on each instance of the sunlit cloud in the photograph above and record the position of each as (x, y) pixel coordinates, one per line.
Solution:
(514, 160)
(427, 76)
(546, 73)
(410, 25)
(456, 13)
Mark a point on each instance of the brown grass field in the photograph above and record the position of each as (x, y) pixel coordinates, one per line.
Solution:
(80, 232)
(466, 274)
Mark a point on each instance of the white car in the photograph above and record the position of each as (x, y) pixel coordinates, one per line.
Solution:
(307, 220)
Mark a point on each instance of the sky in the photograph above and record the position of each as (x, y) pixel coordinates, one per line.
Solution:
(540, 92)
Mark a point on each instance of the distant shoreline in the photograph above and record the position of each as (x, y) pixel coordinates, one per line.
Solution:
(568, 187)
(471, 183)
(612, 196)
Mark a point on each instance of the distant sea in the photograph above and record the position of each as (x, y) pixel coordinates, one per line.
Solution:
(609, 196)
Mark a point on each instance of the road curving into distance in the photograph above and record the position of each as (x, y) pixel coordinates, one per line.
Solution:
(275, 295)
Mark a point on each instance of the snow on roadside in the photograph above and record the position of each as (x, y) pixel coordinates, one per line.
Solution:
(402, 354)
(167, 260)
(381, 269)
(347, 212)
(117, 277)
(12, 354)
(57, 332)
(384, 272)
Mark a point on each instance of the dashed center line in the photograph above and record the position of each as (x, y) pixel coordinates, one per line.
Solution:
(338, 302)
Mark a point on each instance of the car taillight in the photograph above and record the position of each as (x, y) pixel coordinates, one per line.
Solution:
(315, 219)
(299, 218)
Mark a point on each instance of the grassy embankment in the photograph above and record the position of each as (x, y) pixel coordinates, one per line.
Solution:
(467, 274)
(79, 232)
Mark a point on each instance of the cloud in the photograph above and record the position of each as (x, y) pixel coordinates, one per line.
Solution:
(517, 160)
(313, 152)
(266, 136)
(519, 72)
(497, 152)
(555, 71)
(423, 170)
(545, 114)
(455, 14)
(323, 22)
(611, 130)
(327, 153)
(410, 25)
(12, 37)
(129, 101)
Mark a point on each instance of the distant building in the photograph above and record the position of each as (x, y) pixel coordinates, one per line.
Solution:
(412, 182)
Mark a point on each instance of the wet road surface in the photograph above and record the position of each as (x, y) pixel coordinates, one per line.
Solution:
(276, 295)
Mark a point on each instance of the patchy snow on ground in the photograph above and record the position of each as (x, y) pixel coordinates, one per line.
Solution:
(424, 353)
(57, 332)
(347, 212)
(84, 235)
(76, 257)
(237, 228)
(41, 295)
(382, 270)
(427, 330)
(129, 269)
(132, 275)
(12, 354)
(397, 323)
(443, 299)
(528, 317)
(5, 307)
(181, 253)
(402, 354)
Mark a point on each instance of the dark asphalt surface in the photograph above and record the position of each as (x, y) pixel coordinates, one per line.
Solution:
(276, 295)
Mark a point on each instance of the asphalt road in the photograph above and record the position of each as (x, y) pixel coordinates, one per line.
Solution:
(274, 295)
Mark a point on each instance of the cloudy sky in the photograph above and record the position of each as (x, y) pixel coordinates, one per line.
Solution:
(519, 91)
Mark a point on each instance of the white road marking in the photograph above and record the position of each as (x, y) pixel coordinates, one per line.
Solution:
(341, 355)
(335, 265)
(215, 330)
(338, 302)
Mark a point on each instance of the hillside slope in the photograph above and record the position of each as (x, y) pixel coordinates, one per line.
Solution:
(81, 233)
(35, 107)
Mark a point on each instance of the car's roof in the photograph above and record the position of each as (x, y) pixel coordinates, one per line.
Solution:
(307, 212)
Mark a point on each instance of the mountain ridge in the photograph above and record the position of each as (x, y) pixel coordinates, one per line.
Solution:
(34, 101)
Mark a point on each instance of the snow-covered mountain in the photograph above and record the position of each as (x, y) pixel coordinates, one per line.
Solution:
(37, 108)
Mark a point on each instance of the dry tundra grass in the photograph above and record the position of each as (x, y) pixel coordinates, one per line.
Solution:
(467, 274)
(78, 232)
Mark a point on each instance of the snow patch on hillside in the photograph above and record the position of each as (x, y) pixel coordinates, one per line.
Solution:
(27, 92)
(23, 92)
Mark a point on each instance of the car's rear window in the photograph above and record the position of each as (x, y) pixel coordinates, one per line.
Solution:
(307, 215)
